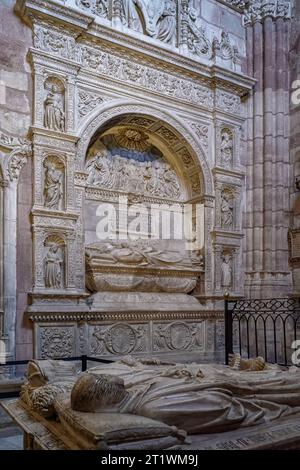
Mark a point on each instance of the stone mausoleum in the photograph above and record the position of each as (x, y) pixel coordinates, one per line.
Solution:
(129, 114)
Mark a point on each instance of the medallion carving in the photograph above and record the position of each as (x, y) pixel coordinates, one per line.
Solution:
(118, 339)
(178, 336)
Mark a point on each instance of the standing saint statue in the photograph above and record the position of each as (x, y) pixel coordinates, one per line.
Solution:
(226, 148)
(53, 268)
(226, 212)
(226, 271)
(52, 186)
(54, 117)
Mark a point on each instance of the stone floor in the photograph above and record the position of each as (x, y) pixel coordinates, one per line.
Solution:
(11, 436)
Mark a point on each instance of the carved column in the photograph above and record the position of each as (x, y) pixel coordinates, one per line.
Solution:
(267, 205)
(15, 153)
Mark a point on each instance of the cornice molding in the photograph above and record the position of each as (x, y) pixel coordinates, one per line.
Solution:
(84, 30)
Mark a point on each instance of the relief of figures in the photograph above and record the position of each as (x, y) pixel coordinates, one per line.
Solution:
(155, 178)
(54, 116)
(53, 267)
(53, 185)
(159, 18)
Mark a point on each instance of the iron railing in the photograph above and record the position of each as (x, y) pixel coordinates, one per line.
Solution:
(83, 359)
(266, 328)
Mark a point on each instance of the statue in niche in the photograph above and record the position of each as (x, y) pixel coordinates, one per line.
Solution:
(226, 271)
(226, 211)
(53, 267)
(54, 117)
(52, 185)
(226, 148)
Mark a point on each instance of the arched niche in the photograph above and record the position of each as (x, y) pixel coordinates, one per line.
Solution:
(182, 151)
(171, 131)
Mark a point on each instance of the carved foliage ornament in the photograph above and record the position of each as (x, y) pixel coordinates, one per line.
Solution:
(238, 4)
(155, 18)
(56, 342)
(87, 102)
(150, 78)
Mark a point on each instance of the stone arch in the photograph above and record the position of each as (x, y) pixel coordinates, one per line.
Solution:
(190, 144)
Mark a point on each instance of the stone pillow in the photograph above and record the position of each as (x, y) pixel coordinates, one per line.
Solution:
(116, 431)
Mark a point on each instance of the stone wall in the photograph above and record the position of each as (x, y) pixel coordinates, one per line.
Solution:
(295, 140)
(15, 120)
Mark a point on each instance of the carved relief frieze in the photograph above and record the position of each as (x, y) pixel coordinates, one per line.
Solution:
(118, 339)
(53, 220)
(146, 76)
(178, 336)
(54, 40)
(135, 109)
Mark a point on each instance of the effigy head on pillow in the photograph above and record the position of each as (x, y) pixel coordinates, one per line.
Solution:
(93, 392)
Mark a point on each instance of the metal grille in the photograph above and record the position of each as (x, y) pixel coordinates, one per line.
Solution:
(266, 328)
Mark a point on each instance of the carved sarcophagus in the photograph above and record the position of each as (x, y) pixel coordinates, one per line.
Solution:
(127, 267)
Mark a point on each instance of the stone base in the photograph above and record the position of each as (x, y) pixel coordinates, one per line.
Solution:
(282, 434)
(111, 325)
(143, 301)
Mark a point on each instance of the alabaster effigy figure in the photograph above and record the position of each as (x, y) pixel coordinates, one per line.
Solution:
(198, 399)
(136, 399)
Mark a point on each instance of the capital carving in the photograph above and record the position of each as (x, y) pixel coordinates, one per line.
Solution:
(258, 10)
(18, 151)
